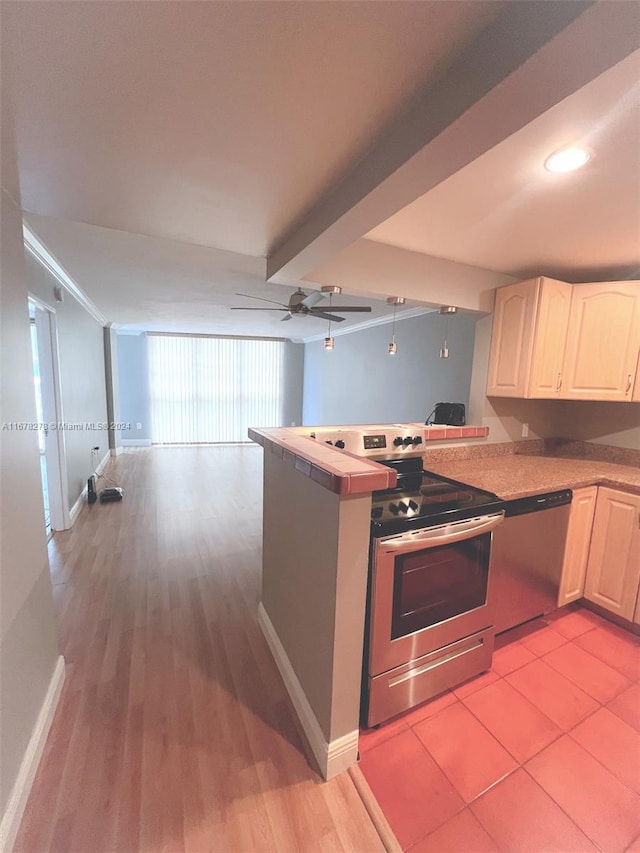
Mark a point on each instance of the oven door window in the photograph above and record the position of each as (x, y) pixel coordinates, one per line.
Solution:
(435, 584)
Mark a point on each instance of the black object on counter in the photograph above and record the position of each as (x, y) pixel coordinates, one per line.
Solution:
(452, 414)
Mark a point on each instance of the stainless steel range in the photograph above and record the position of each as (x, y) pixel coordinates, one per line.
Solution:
(430, 620)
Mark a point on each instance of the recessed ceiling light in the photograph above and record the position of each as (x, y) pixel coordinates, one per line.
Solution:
(567, 159)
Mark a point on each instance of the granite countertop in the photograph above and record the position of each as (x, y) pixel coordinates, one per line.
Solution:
(517, 476)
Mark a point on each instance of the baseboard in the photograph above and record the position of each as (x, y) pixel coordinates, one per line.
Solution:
(136, 442)
(333, 757)
(82, 497)
(22, 786)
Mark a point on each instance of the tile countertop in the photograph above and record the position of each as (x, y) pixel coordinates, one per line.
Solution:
(518, 476)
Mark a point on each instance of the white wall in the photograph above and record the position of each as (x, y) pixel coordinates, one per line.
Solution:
(82, 376)
(28, 642)
(359, 382)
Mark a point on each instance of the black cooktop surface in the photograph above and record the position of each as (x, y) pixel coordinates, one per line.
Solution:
(424, 499)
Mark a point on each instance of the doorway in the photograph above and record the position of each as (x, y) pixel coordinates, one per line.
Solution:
(49, 415)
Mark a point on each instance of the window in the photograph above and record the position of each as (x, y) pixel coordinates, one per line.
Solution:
(208, 390)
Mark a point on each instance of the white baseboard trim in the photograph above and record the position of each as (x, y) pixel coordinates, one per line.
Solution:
(116, 451)
(82, 497)
(136, 442)
(333, 757)
(22, 786)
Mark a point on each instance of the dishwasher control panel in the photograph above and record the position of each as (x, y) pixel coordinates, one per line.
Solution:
(536, 503)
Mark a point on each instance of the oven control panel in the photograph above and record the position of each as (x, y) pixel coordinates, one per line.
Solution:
(374, 442)
(388, 442)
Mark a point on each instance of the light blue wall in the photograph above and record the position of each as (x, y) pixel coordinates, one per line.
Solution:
(133, 380)
(293, 378)
(358, 382)
(133, 372)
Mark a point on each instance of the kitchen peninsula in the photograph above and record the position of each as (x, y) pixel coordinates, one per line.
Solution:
(317, 511)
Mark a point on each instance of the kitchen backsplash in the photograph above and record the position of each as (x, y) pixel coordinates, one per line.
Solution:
(593, 451)
(564, 447)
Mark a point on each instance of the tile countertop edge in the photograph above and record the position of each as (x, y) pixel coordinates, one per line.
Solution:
(504, 475)
(346, 474)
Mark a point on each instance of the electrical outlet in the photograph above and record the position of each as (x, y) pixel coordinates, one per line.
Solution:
(525, 430)
(138, 425)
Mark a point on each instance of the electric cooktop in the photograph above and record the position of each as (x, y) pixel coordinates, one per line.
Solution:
(422, 499)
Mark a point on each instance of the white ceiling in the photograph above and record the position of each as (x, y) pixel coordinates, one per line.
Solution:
(149, 283)
(162, 151)
(505, 212)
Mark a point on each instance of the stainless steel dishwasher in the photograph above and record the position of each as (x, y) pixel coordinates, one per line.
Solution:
(526, 558)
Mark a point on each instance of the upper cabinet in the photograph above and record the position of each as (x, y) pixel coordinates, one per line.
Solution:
(603, 340)
(530, 323)
(554, 340)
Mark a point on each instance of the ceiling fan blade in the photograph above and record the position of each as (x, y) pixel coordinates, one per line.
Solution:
(312, 299)
(288, 317)
(249, 296)
(323, 315)
(363, 308)
(259, 309)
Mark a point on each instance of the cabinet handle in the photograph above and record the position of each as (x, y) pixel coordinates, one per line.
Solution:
(628, 384)
(559, 382)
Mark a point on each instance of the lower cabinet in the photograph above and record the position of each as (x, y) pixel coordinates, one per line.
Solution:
(576, 554)
(613, 567)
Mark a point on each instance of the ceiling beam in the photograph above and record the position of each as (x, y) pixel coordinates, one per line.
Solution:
(530, 57)
(374, 269)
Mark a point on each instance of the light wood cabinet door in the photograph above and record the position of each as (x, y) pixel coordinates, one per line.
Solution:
(636, 387)
(549, 339)
(603, 341)
(576, 554)
(613, 570)
(511, 339)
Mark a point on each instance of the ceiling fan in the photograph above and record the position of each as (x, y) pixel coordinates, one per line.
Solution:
(303, 304)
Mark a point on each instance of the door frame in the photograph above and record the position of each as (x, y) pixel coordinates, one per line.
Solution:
(57, 457)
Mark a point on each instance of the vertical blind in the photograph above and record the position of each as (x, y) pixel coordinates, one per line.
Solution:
(207, 390)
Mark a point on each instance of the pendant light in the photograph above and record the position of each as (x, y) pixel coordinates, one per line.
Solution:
(395, 301)
(330, 289)
(447, 310)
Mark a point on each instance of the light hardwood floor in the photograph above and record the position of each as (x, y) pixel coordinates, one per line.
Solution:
(174, 731)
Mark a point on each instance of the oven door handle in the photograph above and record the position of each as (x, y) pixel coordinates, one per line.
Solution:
(435, 536)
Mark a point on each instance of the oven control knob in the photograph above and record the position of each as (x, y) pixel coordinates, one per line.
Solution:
(328, 442)
(340, 443)
(417, 439)
(376, 512)
(397, 441)
(395, 509)
(413, 505)
(407, 440)
(403, 506)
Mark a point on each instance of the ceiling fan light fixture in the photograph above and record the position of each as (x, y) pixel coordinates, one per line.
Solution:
(567, 159)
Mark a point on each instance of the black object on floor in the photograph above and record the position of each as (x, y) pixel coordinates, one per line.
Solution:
(114, 494)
